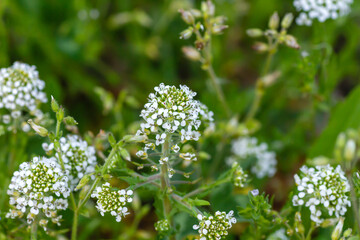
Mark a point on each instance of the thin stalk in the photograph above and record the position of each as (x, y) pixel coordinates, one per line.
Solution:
(354, 200)
(165, 182)
(312, 228)
(33, 231)
(180, 199)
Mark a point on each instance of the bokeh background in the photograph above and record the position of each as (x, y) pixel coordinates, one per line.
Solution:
(100, 60)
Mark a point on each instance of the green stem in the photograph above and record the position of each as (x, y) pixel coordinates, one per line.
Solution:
(259, 91)
(75, 224)
(312, 228)
(165, 182)
(34, 231)
(354, 200)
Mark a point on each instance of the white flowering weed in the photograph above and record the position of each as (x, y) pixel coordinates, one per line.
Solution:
(79, 158)
(324, 190)
(21, 92)
(38, 190)
(320, 10)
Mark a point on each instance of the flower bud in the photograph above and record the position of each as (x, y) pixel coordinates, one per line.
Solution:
(299, 227)
(260, 47)
(208, 8)
(290, 41)
(135, 138)
(191, 53)
(187, 33)
(219, 29)
(111, 140)
(347, 233)
(70, 121)
(60, 114)
(338, 229)
(274, 21)
(54, 104)
(43, 132)
(350, 149)
(187, 16)
(269, 79)
(287, 20)
(84, 180)
(196, 13)
(254, 32)
(125, 154)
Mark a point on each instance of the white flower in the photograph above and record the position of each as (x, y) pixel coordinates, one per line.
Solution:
(39, 188)
(324, 190)
(215, 227)
(320, 10)
(113, 201)
(246, 147)
(79, 158)
(21, 91)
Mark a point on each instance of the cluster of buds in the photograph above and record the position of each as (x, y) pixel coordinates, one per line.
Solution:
(239, 176)
(346, 151)
(215, 227)
(275, 35)
(21, 92)
(203, 24)
(79, 159)
(323, 190)
(320, 10)
(113, 201)
(172, 115)
(162, 226)
(38, 190)
(248, 148)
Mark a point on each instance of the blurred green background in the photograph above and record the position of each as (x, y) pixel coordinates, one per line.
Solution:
(129, 46)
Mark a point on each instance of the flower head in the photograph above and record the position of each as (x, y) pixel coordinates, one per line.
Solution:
(246, 147)
(79, 158)
(239, 176)
(38, 190)
(113, 201)
(162, 226)
(320, 10)
(215, 227)
(21, 91)
(324, 190)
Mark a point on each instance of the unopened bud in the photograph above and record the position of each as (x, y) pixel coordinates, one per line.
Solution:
(287, 20)
(111, 140)
(191, 53)
(84, 180)
(260, 47)
(196, 13)
(70, 121)
(254, 32)
(135, 138)
(43, 132)
(338, 229)
(187, 33)
(84, 192)
(299, 227)
(290, 41)
(60, 114)
(219, 29)
(350, 149)
(125, 154)
(347, 233)
(274, 21)
(54, 104)
(328, 222)
(187, 16)
(269, 79)
(208, 8)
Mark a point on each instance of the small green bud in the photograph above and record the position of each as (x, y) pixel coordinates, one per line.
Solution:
(208, 8)
(54, 104)
(204, 155)
(219, 29)
(187, 33)
(60, 114)
(191, 53)
(291, 42)
(84, 192)
(350, 149)
(70, 121)
(271, 78)
(274, 21)
(347, 232)
(125, 154)
(254, 32)
(84, 180)
(111, 140)
(328, 222)
(135, 138)
(196, 13)
(43, 132)
(187, 16)
(287, 20)
(341, 140)
(338, 229)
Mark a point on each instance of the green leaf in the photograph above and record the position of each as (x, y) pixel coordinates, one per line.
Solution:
(346, 115)
(198, 202)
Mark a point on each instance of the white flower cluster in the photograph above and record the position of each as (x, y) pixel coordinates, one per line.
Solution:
(322, 189)
(246, 147)
(162, 225)
(38, 188)
(321, 10)
(79, 158)
(21, 91)
(215, 227)
(112, 201)
(172, 110)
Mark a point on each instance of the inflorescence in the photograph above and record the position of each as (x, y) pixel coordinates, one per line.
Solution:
(324, 190)
(215, 227)
(320, 10)
(38, 189)
(246, 147)
(172, 111)
(21, 91)
(79, 158)
(113, 201)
